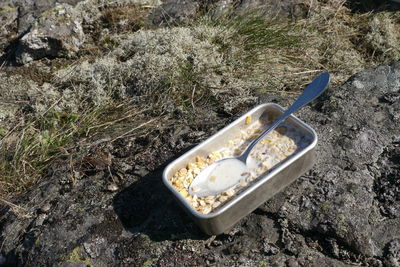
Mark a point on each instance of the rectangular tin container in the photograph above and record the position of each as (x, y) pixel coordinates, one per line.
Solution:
(260, 190)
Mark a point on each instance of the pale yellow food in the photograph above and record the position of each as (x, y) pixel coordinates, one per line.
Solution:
(274, 148)
(248, 120)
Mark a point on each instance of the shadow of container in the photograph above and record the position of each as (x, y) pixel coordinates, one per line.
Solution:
(147, 207)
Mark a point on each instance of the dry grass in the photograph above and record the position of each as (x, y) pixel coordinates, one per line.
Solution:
(33, 144)
(286, 54)
(123, 19)
(336, 40)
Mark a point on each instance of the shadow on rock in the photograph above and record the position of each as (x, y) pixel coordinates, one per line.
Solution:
(147, 207)
(366, 6)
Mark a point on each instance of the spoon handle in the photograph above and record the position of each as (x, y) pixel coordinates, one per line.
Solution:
(312, 91)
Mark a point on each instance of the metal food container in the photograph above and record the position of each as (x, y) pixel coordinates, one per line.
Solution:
(260, 190)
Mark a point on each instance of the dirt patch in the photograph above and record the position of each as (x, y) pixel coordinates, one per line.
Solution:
(35, 73)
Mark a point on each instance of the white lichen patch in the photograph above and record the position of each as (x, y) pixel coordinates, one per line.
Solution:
(16, 91)
(384, 36)
(162, 66)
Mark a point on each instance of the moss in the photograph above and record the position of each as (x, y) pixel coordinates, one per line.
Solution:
(262, 264)
(49, 13)
(75, 257)
(149, 262)
(38, 240)
(343, 228)
(3, 131)
(108, 42)
(7, 9)
(217, 63)
(325, 206)
(309, 214)
(341, 224)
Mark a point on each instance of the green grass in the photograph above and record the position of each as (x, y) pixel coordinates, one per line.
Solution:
(28, 149)
(254, 32)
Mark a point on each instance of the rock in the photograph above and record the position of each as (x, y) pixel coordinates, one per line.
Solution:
(40, 219)
(8, 18)
(8, 24)
(45, 208)
(3, 260)
(57, 33)
(30, 10)
(222, 8)
(270, 248)
(94, 248)
(174, 12)
(293, 9)
(355, 194)
(345, 211)
(112, 187)
(394, 253)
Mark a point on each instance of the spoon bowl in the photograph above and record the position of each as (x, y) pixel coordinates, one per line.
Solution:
(217, 178)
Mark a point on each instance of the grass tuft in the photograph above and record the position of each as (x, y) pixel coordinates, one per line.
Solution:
(28, 149)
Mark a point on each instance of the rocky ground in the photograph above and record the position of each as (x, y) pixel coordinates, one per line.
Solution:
(97, 98)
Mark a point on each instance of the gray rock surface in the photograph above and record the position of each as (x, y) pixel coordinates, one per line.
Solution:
(352, 194)
(222, 8)
(293, 9)
(30, 10)
(174, 12)
(8, 24)
(344, 211)
(57, 33)
(16, 19)
(39, 30)
(8, 18)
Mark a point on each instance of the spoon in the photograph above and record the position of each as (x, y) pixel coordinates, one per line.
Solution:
(226, 173)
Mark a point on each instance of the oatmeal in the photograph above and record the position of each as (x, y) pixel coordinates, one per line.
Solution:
(271, 150)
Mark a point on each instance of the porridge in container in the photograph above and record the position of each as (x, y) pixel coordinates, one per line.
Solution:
(291, 158)
(273, 149)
